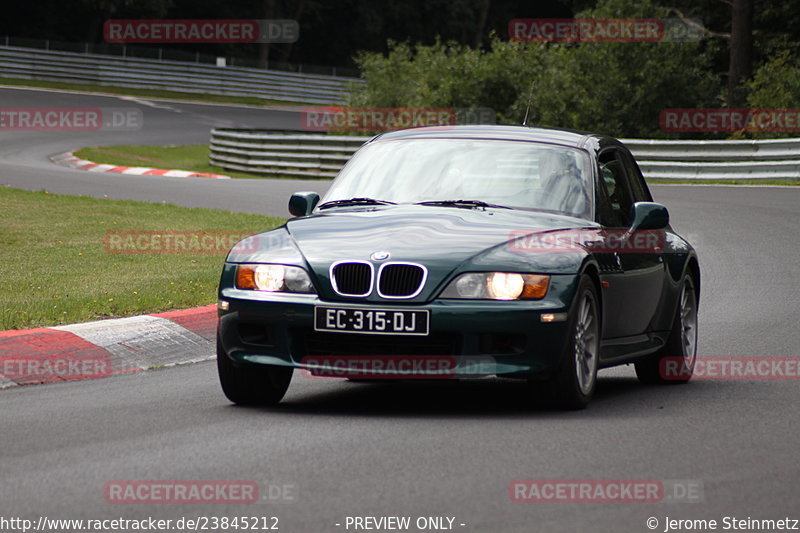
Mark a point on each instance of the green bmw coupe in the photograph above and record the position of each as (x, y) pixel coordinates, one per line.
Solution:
(462, 252)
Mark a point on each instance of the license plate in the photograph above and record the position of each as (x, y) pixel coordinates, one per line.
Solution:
(372, 321)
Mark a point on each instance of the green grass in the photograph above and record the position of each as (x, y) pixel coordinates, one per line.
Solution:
(56, 269)
(190, 157)
(147, 93)
(726, 182)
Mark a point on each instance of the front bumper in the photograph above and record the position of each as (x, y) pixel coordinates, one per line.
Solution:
(478, 337)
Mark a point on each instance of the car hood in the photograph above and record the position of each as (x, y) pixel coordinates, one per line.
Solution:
(416, 233)
(444, 239)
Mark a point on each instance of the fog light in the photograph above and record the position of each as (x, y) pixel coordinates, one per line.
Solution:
(223, 305)
(554, 317)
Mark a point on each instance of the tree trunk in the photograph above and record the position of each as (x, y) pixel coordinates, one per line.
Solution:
(480, 27)
(741, 51)
(263, 48)
(297, 15)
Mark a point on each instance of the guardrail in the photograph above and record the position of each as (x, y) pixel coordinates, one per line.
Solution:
(297, 155)
(166, 75)
(303, 155)
(171, 53)
(767, 159)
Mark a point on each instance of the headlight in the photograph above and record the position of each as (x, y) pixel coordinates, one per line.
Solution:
(273, 278)
(504, 286)
(497, 286)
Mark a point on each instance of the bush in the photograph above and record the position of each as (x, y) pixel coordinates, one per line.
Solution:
(776, 84)
(439, 75)
(615, 88)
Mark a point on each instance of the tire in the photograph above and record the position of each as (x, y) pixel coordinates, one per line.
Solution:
(573, 384)
(250, 384)
(674, 363)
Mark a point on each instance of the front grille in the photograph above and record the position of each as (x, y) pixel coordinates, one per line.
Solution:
(400, 280)
(318, 343)
(352, 279)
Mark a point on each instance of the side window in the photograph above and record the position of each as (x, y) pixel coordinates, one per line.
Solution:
(638, 188)
(616, 212)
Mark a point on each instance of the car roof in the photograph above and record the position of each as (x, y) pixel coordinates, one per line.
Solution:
(562, 137)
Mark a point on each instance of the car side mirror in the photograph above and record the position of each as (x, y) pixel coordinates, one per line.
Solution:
(303, 203)
(649, 215)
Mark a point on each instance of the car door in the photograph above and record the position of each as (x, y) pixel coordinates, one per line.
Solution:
(634, 288)
(611, 215)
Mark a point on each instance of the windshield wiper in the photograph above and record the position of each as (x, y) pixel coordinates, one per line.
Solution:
(463, 203)
(354, 201)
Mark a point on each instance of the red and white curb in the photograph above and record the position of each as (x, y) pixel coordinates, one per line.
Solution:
(67, 159)
(106, 347)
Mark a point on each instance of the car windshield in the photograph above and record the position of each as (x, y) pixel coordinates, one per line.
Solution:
(521, 175)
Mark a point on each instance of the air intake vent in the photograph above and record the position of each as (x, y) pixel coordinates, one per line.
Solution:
(352, 279)
(401, 280)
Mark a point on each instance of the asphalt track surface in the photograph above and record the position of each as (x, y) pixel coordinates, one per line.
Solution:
(350, 449)
(25, 155)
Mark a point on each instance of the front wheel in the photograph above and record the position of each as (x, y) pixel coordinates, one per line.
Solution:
(573, 385)
(251, 384)
(674, 363)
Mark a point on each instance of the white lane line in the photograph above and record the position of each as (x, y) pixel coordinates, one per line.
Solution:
(149, 103)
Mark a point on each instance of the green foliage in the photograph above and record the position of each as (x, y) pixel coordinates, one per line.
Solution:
(776, 84)
(618, 88)
(615, 88)
(439, 75)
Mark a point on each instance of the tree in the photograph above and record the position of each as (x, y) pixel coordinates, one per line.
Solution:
(741, 50)
(618, 88)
